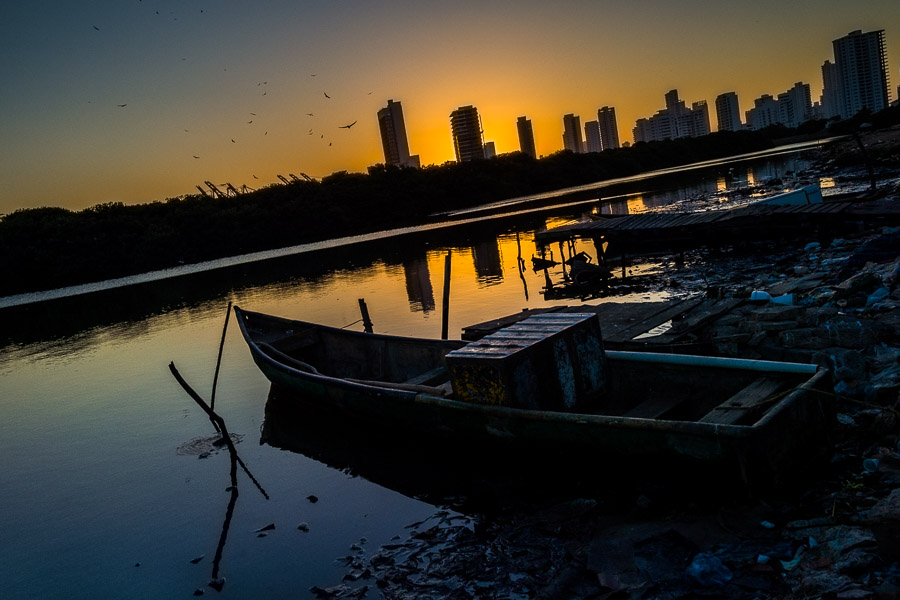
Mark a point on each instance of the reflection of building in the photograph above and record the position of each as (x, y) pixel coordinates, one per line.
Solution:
(728, 112)
(526, 137)
(572, 134)
(592, 136)
(393, 136)
(465, 126)
(488, 264)
(609, 129)
(418, 285)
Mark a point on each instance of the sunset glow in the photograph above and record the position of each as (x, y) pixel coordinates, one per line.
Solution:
(141, 100)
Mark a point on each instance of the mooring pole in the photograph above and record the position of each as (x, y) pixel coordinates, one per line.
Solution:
(445, 306)
(364, 311)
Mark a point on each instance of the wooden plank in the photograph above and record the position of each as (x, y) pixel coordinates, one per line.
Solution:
(750, 398)
(653, 408)
(699, 316)
(429, 376)
(653, 320)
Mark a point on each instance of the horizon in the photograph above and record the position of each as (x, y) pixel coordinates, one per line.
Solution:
(142, 101)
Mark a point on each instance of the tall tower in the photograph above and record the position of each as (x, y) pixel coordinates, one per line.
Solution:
(572, 133)
(609, 130)
(831, 90)
(728, 112)
(468, 141)
(861, 62)
(393, 136)
(592, 136)
(526, 137)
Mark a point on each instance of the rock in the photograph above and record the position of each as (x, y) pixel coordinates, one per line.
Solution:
(886, 512)
(807, 338)
(776, 312)
(847, 364)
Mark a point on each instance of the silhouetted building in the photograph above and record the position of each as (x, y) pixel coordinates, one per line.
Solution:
(526, 137)
(572, 133)
(468, 140)
(862, 77)
(791, 108)
(795, 105)
(728, 113)
(764, 112)
(393, 136)
(696, 121)
(592, 136)
(490, 150)
(674, 121)
(830, 100)
(609, 129)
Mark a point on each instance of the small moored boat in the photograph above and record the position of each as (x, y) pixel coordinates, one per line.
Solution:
(546, 386)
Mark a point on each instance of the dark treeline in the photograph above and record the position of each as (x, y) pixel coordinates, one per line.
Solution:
(45, 248)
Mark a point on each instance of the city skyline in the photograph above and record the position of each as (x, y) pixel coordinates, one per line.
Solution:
(140, 101)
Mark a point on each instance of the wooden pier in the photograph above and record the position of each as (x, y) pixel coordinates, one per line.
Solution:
(634, 234)
(633, 326)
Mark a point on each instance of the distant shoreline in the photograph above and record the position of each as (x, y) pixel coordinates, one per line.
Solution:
(500, 209)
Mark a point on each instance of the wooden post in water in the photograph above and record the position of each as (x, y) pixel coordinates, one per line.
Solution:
(445, 305)
(364, 311)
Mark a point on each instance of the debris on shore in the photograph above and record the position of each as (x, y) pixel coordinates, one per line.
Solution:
(833, 302)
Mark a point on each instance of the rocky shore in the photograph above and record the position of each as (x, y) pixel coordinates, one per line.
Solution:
(832, 302)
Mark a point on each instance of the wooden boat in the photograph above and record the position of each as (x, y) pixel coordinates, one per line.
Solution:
(762, 421)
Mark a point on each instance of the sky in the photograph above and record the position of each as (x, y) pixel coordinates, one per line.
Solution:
(138, 101)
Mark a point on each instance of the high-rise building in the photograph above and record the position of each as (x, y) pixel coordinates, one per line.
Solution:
(764, 112)
(572, 133)
(831, 91)
(393, 136)
(609, 130)
(468, 139)
(526, 137)
(674, 121)
(697, 119)
(795, 105)
(728, 113)
(592, 136)
(861, 63)
(490, 150)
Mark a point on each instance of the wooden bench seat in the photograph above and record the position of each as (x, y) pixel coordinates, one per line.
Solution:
(733, 410)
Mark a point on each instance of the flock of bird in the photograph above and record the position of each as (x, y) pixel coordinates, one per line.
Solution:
(262, 84)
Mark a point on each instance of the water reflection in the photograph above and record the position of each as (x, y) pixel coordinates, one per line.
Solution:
(440, 472)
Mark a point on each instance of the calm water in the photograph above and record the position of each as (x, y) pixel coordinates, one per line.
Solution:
(95, 476)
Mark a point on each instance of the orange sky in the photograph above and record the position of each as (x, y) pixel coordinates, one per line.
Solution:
(195, 77)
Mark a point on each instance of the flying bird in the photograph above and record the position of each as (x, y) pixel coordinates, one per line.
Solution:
(195, 156)
(347, 126)
(326, 95)
(232, 141)
(95, 27)
(255, 177)
(121, 105)
(311, 115)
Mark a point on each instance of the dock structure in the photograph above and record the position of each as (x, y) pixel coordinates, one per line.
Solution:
(666, 326)
(676, 232)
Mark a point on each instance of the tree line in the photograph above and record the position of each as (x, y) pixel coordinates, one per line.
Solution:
(45, 248)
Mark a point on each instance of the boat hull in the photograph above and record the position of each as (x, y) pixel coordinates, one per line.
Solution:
(791, 437)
